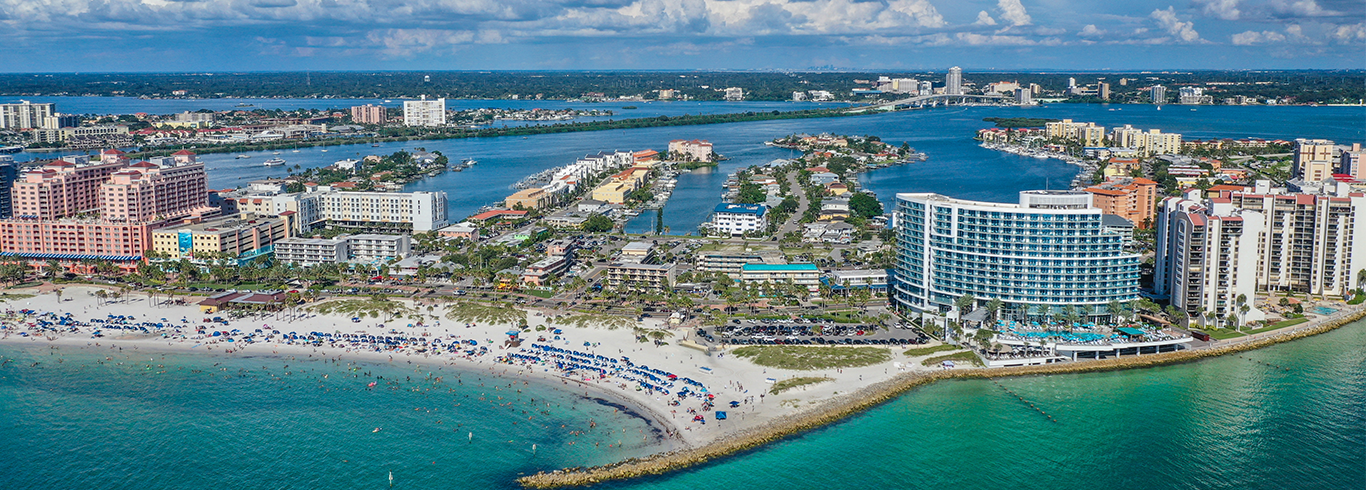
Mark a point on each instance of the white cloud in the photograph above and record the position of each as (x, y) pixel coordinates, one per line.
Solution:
(1223, 9)
(409, 42)
(1302, 8)
(1013, 12)
(1253, 37)
(1350, 33)
(1090, 30)
(1181, 31)
(984, 19)
(1295, 32)
(921, 11)
(974, 39)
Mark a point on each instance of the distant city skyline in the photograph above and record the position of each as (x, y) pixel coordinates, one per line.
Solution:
(275, 35)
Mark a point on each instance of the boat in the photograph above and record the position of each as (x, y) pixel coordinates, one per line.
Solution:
(376, 145)
(324, 150)
(246, 105)
(243, 156)
(296, 151)
(469, 162)
(276, 153)
(12, 149)
(274, 162)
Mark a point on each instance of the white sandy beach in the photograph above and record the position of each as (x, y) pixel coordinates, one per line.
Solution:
(730, 378)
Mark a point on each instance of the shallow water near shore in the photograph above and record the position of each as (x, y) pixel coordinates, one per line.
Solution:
(1287, 416)
(1227, 422)
(71, 419)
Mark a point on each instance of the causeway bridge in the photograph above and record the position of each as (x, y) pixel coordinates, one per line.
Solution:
(935, 101)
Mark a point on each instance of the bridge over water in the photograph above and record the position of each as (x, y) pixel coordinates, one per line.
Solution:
(935, 101)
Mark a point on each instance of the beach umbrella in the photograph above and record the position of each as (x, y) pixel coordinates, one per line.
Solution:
(513, 333)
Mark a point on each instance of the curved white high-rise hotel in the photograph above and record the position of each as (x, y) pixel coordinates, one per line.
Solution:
(1050, 249)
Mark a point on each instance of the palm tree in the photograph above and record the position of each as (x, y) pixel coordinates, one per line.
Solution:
(993, 307)
(1115, 309)
(1242, 312)
(962, 303)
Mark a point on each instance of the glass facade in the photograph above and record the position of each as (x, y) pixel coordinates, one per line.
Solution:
(1049, 251)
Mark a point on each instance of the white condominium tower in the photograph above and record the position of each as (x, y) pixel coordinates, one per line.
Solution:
(424, 112)
(953, 84)
(1048, 254)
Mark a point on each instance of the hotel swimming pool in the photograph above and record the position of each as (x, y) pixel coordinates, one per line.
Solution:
(1323, 310)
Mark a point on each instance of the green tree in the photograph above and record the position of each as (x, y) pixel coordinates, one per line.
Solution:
(864, 205)
(994, 307)
(597, 224)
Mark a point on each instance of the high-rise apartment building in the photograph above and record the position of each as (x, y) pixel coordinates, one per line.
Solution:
(9, 172)
(25, 115)
(1050, 250)
(370, 114)
(1158, 94)
(1193, 96)
(424, 112)
(1210, 251)
(1350, 162)
(1103, 90)
(1313, 159)
(1130, 198)
(953, 83)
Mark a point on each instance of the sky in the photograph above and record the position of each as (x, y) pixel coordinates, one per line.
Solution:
(291, 35)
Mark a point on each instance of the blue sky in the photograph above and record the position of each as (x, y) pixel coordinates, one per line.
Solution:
(274, 35)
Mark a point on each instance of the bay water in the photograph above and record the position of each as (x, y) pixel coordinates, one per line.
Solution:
(1288, 416)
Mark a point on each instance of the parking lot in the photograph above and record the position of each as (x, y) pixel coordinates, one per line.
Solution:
(807, 332)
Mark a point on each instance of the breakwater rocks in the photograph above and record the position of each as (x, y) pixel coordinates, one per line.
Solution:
(877, 394)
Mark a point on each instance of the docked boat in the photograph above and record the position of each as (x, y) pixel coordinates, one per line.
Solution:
(274, 162)
(11, 149)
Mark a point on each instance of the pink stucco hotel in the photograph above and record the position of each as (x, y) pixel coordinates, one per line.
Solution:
(100, 211)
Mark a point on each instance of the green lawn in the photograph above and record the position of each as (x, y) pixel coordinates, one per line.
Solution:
(840, 317)
(791, 383)
(924, 351)
(1222, 333)
(541, 294)
(1279, 325)
(957, 358)
(813, 358)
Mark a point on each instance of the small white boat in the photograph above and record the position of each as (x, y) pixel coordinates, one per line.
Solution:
(243, 156)
(274, 162)
(469, 161)
(276, 153)
(324, 150)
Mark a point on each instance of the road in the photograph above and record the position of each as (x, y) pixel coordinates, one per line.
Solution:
(793, 222)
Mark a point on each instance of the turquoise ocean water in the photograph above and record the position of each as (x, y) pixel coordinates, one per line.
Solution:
(70, 421)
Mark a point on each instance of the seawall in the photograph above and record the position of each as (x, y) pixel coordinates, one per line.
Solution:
(877, 394)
